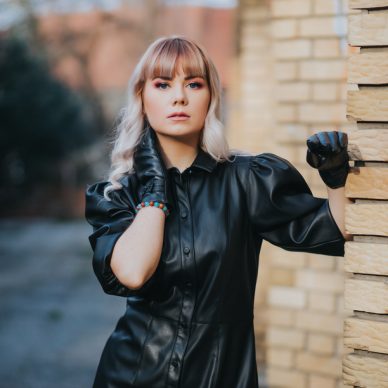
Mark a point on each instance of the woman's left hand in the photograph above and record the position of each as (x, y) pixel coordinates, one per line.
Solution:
(327, 152)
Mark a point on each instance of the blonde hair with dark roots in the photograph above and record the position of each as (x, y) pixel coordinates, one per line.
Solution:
(161, 59)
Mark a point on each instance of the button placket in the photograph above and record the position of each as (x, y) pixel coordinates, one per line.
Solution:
(188, 295)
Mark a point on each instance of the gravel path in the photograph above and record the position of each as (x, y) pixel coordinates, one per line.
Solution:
(55, 318)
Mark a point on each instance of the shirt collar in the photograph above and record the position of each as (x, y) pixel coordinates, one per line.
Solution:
(203, 160)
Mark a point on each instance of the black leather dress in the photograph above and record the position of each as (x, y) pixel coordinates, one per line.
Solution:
(191, 324)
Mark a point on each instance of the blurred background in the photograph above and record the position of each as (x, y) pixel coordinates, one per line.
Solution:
(64, 68)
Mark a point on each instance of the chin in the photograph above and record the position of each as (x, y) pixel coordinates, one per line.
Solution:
(178, 130)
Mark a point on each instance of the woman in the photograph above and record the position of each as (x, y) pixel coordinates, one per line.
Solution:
(179, 223)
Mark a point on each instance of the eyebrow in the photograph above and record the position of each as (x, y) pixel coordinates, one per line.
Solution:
(186, 78)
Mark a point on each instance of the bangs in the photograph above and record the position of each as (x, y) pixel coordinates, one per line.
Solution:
(170, 55)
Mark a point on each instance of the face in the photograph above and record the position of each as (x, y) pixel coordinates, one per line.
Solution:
(164, 97)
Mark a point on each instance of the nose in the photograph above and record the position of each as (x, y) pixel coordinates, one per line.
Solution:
(179, 96)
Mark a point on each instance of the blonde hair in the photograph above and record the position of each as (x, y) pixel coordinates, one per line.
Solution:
(161, 59)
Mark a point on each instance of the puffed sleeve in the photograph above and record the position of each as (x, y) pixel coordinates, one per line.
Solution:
(109, 220)
(284, 211)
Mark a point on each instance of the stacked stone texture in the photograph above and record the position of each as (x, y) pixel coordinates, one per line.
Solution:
(366, 257)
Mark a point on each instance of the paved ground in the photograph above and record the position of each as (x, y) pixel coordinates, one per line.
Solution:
(55, 318)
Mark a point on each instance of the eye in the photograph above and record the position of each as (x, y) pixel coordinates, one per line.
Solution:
(158, 84)
(197, 84)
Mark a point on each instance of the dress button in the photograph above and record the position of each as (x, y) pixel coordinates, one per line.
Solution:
(184, 214)
(186, 250)
(189, 284)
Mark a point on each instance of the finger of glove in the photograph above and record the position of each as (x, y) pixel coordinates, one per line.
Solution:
(343, 139)
(333, 141)
(321, 146)
(328, 142)
(313, 143)
(317, 146)
(339, 141)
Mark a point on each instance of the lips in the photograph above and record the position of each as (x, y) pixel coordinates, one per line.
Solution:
(178, 114)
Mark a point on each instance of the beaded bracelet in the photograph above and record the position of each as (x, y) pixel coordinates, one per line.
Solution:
(158, 204)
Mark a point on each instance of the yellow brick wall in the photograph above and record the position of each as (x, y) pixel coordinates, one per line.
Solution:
(251, 123)
(310, 50)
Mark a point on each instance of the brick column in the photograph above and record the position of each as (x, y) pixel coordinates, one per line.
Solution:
(366, 257)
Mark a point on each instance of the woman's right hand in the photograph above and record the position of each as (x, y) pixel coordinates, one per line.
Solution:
(150, 168)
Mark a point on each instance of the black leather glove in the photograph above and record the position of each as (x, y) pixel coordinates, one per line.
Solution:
(327, 151)
(151, 170)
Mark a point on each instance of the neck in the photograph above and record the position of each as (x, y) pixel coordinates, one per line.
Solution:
(179, 153)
